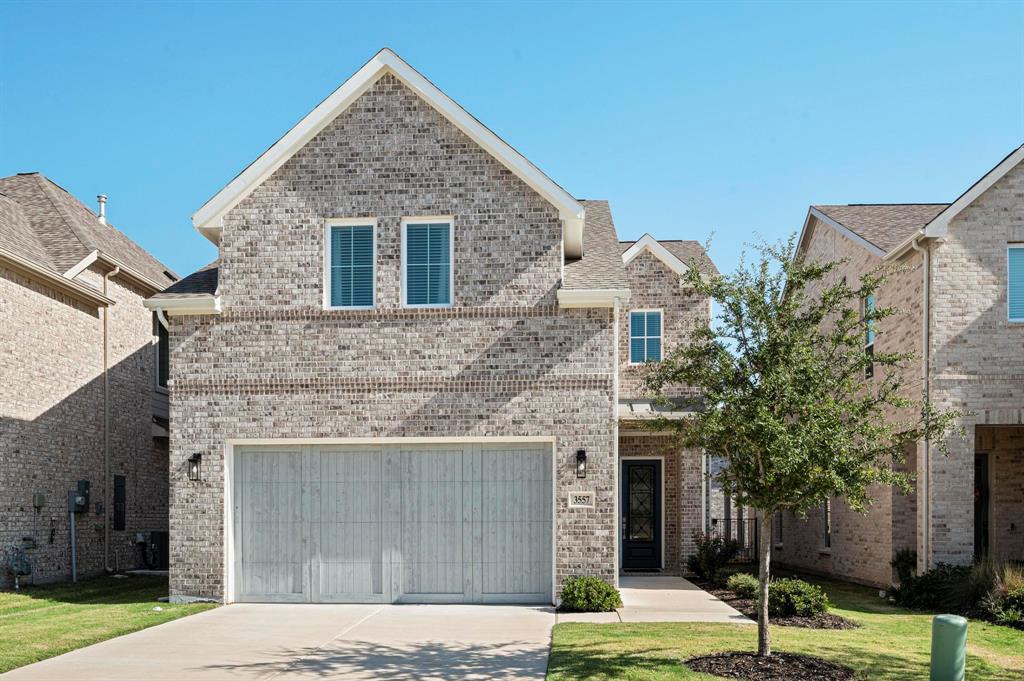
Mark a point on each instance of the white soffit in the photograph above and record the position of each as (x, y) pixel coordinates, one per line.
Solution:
(208, 219)
(649, 243)
(939, 226)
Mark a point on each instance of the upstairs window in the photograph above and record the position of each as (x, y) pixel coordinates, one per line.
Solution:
(1015, 282)
(350, 258)
(644, 336)
(869, 334)
(427, 252)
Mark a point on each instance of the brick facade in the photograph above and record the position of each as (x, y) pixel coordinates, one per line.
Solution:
(503, 361)
(51, 422)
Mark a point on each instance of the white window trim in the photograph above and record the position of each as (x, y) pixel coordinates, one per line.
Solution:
(661, 334)
(162, 389)
(347, 222)
(1011, 247)
(431, 220)
(826, 527)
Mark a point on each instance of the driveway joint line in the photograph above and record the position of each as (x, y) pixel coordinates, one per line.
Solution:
(323, 645)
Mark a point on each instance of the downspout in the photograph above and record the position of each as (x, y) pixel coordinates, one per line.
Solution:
(106, 423)
(615, 433)
(926, 514)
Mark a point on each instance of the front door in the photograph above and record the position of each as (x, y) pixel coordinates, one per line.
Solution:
(641, 514)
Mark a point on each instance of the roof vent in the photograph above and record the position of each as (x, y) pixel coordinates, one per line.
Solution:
(102, 200)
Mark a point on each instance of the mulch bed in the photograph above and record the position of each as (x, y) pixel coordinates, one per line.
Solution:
(778, 667)
(748, 607)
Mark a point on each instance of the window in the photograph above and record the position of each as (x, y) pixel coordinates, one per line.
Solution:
(869, 333)
(350, 258)
(427, 250)
(826, 524)
(777, 528)
(163, 353)
(119, 502)
(644, 336)
(1015, 282)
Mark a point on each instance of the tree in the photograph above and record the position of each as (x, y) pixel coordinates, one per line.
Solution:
(792, 401)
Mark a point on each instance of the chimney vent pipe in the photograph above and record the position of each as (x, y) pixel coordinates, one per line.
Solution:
(102, 200)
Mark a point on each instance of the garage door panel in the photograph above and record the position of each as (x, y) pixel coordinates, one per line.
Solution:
(410, 523)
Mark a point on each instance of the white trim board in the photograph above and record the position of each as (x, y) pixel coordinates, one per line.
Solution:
(429, 220)
(939, 225)
(329, 224)
(839, 227)
(209, 218)
(649, 243)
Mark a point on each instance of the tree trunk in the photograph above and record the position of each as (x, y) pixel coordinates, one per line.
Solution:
(764, 536)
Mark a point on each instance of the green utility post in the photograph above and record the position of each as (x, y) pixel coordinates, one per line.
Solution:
(949, 648)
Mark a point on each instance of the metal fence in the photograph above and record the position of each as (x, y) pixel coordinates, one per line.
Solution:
(744, 531)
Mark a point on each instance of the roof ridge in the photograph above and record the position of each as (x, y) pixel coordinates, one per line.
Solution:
(901, 203)
(43, 181)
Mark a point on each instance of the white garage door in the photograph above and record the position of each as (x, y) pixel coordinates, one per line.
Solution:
(460, 523)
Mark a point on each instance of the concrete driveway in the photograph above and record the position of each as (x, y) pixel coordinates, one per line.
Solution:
(249, 641)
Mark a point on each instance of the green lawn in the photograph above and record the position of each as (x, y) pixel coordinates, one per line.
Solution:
(891, 644)
(40, 622)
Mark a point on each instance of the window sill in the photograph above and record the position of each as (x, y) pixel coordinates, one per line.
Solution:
(777, 546)
(162, 390)
(825, 552)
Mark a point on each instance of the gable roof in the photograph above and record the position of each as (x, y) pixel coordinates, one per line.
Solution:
(56, 231)
(882, 225)
(600, 267)
(939, 225)
(209, 217)
(677, 254)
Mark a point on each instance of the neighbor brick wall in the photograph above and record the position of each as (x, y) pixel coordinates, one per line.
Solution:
(51, 421)
(503, 361)
(653, 285)
(977, 356)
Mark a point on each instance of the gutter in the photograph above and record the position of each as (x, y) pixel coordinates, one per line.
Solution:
(72, 288)
(106, 423)
(595, 297)
(926, 515)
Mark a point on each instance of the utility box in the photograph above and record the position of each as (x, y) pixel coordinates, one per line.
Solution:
(78, 498)
(38, 500)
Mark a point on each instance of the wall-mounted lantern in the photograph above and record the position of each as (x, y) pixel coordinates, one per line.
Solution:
(195, 466)
(581, 463)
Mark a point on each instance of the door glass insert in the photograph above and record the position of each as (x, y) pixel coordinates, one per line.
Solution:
(640, 525)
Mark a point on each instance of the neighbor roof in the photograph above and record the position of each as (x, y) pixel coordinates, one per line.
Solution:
(202, 282)
(883, 225)
(601, 264)
(54, 230)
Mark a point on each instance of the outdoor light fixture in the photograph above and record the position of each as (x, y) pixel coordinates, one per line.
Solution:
(194, 462)
(581, 463)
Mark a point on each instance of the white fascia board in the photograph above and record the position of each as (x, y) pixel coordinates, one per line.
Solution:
(591, 297)
(192, 305)
(208, 219)
(127, 271)
(649, 243)
(845, 231)
(82, 265)
(939, 226)
(65, 285)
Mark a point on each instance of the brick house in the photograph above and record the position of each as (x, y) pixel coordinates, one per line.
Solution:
(412, 373)
(961, 298)
(82, 397)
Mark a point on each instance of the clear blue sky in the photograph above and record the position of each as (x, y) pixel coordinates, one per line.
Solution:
(690, 118)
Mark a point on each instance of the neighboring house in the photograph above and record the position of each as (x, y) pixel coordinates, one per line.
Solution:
(399, 381)
(960, 293)
(82, 394)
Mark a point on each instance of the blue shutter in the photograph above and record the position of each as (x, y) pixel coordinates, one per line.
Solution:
(351, 275)
(428, 264)
(644, 337)
(1015, 279)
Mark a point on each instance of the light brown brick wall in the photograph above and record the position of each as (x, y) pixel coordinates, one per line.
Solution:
(51, 422)
(505, 360)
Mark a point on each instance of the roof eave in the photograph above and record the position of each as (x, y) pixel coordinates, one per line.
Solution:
(198, 304)
(70, 287)
(844, 230)
(649, 243)
(591, 297)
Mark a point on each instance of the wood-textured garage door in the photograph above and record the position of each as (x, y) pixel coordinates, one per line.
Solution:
(460, 523)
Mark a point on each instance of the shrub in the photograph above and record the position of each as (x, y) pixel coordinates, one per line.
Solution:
(944, 587)
(905, 564)
(990, 589)
(713, 553)
(743, 585)
(589, 594)
(788, 597)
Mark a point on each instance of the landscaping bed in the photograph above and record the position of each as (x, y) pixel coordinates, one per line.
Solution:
(748, 606)
(778, 667)
(38, 622)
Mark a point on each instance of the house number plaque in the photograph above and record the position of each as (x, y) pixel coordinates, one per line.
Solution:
(581, 500)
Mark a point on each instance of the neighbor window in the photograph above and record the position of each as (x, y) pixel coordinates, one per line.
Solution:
(350, 258)
(119, 502)
(826, 524)
(163, 353)
(427, 253)
(869, 334)
(777, 528)
(1015, 282)
(644, 336)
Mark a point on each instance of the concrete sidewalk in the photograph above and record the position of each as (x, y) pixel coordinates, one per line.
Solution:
(292, 642)
(662, 599)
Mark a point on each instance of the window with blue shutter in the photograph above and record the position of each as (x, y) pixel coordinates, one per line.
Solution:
(645, 336)
(428, 264)
(1015, 283)
(351, 266)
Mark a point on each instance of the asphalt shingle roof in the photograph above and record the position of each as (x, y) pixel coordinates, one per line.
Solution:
(690, 252)
(201, 282)
(601, 264)
(55, 230)
(884, 225)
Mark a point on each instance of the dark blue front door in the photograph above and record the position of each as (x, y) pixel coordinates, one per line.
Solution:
(641, 513)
